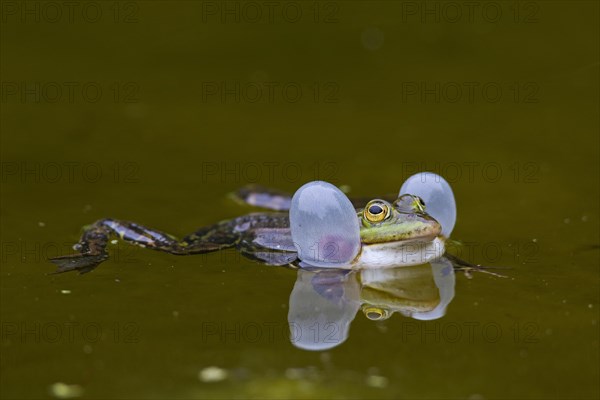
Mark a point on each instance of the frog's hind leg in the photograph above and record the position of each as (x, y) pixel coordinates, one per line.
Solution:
(94, 240)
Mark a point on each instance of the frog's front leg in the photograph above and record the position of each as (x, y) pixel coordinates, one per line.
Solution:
(94, 240)
(270, 246)
(461, 265)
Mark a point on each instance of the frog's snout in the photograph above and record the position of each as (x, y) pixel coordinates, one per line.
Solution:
(428, 226)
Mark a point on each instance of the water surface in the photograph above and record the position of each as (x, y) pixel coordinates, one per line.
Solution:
(384, 93)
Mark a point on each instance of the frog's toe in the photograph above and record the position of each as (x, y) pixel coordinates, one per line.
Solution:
(261, 196)
(83, 263)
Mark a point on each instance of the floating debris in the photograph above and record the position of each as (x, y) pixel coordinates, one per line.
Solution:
(41, 224)
(377, 381)
(294, 373)
(114, 241)
(345, 188)
(65, 291)
(64, 391)
(476, 396)
(523, 353)
(325, 358)
(372, 38)
(213, 374)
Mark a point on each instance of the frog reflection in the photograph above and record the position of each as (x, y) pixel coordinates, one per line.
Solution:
(324, 302)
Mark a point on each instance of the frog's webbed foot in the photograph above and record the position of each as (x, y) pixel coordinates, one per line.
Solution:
(468, 268)
(83, 263)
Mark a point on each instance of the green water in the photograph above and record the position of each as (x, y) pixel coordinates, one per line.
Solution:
(193, 104)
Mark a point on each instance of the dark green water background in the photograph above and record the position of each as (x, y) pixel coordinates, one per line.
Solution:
(163, 143)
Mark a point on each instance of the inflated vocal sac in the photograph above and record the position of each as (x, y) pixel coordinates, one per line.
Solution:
(437, 195)
(324, 225)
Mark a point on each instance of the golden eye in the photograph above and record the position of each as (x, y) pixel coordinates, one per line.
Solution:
(375, 313)
(376, 211)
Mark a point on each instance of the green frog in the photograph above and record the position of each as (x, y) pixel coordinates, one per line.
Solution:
(393, 232)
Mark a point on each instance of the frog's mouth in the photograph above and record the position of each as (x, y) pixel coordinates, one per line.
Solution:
(416, 237)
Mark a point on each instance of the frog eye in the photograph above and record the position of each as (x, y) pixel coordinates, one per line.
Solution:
(376, 313)
(376, 211)
(408, 203)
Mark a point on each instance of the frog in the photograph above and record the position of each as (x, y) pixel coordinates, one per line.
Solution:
(393, 232)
